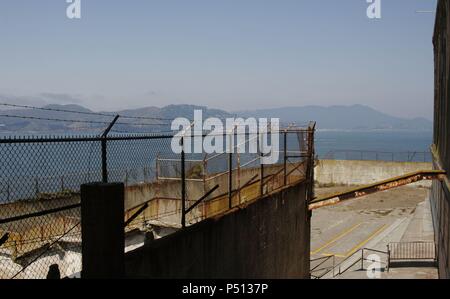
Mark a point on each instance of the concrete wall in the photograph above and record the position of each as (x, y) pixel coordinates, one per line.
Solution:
(353, 172)
(266, 238)
(164, 195)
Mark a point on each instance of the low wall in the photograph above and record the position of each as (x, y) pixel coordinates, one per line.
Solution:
(164, 195)
(353, 172)
(265, 238)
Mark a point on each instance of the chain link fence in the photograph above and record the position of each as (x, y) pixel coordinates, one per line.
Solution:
(40, 181)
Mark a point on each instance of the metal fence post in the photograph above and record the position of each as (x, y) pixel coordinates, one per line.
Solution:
(388, 257)
(362, 259)
(261, 167)
(261, 170)
(238, 173)
(102, 220)
(230, 179)
(183, 185)
(285, 158)
(104, 152)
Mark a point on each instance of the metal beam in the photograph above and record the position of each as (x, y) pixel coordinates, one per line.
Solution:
(394, 182)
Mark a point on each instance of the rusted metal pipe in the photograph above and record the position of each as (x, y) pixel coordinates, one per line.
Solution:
(377, 187)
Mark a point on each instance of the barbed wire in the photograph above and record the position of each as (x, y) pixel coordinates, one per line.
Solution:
(79, 121)
(54, 119)
(83, 112)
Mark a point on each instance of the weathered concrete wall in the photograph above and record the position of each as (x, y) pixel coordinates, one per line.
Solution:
(353, 172)
(164, 196)
(265, 238)
(440, 193)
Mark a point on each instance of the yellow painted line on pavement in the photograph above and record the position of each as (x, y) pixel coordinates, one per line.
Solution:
(336, 238)
(330, 254)
(359, 245)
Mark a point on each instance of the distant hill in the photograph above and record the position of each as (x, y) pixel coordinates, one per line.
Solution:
(161, 121)
(356, 117)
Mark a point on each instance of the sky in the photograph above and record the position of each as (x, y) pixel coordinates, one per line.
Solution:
(227, 54)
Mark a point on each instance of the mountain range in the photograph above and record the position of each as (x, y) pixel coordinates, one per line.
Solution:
(355, 117)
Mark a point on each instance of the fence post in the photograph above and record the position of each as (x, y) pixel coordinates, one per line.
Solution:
(183, 185)
(388, 258)
(102, 218)
(238, 165)
(157, 167)
(230, 180)
(285, 159)
(362, 259)
(8, 191)
(205, 168)
(261, 169)
(104, 152)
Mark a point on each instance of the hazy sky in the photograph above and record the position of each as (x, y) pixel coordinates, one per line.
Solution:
(230, 54)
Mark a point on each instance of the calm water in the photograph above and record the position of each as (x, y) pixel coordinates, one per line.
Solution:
(397, 142)
(26, 170)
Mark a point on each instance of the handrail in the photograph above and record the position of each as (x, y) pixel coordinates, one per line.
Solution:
(321, 263)
(135, 215)
(362, 258)
(376, 250)
(347, 258)
(201, 199)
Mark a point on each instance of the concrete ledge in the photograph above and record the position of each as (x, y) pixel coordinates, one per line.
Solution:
(354, 172)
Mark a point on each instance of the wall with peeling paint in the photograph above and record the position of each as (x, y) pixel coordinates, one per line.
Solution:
(265, 238)
(353, 172)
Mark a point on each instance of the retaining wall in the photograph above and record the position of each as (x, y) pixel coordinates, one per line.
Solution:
(354, 172)
(265, 238)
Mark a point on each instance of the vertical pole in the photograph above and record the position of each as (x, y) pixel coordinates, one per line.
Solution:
(230, 179)
(238, 168)
(205, 168)
(261, 170)
(388, 258)
(334, 263)
(8, 191)
(102, 216)
(104, 153)
(104, 162)
(183, 186)
(36, 186)
(261, 165)
(157, 167)
(285, 158)
(238, 187)
(362, 259)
